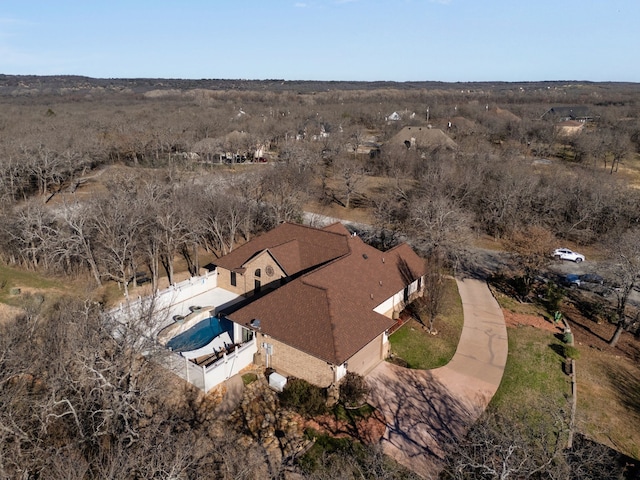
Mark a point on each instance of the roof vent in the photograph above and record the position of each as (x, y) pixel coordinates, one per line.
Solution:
(372, 296)
(382, 259)
(255, 323)
(380, 282)
(365, 256)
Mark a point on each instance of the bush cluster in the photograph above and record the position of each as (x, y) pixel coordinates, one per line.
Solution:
(353, 390)
(304, 398)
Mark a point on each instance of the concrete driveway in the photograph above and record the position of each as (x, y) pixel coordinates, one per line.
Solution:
(425, 410)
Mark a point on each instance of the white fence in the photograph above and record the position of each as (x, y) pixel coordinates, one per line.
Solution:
(176, 300)
(207, 377)
(171, 301)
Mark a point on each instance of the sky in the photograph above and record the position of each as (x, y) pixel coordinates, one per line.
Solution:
(357, 40)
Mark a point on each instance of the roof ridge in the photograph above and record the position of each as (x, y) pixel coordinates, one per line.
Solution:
(329, 263)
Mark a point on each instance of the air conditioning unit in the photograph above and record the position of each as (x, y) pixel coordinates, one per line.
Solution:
(277, 381)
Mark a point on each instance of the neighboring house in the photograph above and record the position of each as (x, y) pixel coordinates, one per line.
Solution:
(464, 126)
(394, 117)
(371, 149)
(569, 128)
(320, 301)
(502, 114)
(234, 147)
(579, 113)
(423, 138)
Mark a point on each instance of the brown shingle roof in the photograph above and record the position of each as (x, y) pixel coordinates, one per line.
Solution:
(424, 137)
(328, 312)
(295, 247)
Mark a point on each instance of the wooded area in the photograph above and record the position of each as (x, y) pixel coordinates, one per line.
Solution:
(103, 179)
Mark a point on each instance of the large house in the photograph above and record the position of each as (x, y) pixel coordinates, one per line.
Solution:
(320, 302)
(578, 113)
(424, 138)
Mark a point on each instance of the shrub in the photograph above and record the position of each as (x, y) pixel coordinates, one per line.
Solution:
(304, 398)
(554, 295)
(353, 390)
(571, 352)
(249, 378)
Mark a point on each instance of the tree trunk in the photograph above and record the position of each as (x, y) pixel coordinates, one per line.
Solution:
(616, 334)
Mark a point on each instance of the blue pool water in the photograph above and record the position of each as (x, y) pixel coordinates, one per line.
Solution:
(199, 335)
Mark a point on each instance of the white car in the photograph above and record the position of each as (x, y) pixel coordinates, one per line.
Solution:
(566, 254)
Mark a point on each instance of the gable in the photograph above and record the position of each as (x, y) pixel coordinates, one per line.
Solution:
(296, 248)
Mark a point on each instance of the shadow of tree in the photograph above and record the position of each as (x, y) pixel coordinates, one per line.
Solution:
(482, 264)
(422, 416)
(366, 430)
(626, 385)
(576, 324)
(559, 349)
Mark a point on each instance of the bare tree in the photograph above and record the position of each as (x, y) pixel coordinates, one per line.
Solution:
(78, 232)
(438, 224)
(117, 233)
(531, 248)
(625, 272)
(351, 174)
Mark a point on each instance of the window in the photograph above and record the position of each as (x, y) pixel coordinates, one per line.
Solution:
(233, 279)
(257, 273)
(257, 286)
(246, 335)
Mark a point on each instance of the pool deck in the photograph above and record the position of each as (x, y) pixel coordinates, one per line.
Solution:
(180, 326)
(217, 297)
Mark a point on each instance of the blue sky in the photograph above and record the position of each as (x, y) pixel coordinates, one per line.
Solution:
(396, 40)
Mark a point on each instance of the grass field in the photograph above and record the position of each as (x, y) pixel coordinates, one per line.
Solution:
(12, 279)
(533, 372)
(422, 350)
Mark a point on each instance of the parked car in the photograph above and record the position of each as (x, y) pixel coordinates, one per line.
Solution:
(566, 254)
(590, 282)
(572, 280)
(592, 278)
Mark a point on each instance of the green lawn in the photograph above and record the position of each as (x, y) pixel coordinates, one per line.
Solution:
(422, 350)
(11, 278)
(534, 370)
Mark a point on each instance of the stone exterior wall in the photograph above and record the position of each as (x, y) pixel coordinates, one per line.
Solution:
(270, 275)
(289, 361)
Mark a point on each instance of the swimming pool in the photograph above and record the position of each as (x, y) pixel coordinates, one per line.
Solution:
(199, 335)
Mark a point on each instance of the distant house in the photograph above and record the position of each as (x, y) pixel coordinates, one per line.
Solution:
(423, 138)
(394, 117)
(569, 128)
(319, 301)
(234, 147)
(397, 116)
(502, 114)
(369, 148)
(578, 113)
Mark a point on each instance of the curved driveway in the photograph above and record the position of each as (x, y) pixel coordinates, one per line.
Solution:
(425, 409)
